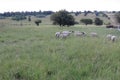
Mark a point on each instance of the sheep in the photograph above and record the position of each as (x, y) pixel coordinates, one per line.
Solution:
(66, 32)
(111, 37)
(78, 33)
(93, 34)
(62, 34)
(84, 33)
(57, 34)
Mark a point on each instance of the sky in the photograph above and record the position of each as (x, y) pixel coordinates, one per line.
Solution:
(56, 5)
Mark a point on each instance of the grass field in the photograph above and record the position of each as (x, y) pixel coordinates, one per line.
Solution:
(33, 53)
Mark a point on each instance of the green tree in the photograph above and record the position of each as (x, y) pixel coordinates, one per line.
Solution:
(86, 21)
(37, 22)
(29, 18)
(19, 17)
(63, 18)
(98, 21)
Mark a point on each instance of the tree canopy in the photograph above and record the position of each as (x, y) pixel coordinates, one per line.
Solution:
(63, 18)
(19, 17)
(98, 21)
(86, 21)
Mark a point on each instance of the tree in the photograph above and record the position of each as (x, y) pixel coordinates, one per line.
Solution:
(117, 15)
(86, 21)
(37, 22)
(19, 17)
(98, 21)
(29, 18)
(63, 18)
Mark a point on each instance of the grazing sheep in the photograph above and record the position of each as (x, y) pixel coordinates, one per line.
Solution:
(113, 38)
(84, 33)
(109, 36)
(118, 27)
(93, 34)
(78, 33)
(62, 34)
(66, 32)
(57, 34)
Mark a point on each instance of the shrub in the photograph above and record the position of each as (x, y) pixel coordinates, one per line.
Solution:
(86, 21)
(98, 21)
(37, 22)
(19, 17)
(29, 18)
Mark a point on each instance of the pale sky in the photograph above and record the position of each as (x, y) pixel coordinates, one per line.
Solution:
(56, 5)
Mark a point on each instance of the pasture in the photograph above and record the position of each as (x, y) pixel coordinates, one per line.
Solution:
(33, 53)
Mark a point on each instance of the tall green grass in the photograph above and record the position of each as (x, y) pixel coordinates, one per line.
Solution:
(33, 53)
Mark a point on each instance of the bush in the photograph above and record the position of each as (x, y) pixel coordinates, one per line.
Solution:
(76, 22)
(86, 21)
(29, 18)
(41, 16)
(19, 17)
(98, 21)
(37, 22)
(111, 26)
(2, 17)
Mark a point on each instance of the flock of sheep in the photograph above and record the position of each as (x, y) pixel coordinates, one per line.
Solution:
(65, 34)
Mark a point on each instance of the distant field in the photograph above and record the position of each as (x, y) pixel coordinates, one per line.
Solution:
(33, 53)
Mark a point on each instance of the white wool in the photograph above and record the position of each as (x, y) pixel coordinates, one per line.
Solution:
(64, 35)
(113, 38)
(78, 34)
(57, 34)
(109, 36)
(93, 34)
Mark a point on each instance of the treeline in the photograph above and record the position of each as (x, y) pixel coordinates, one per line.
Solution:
(45, 13)
(32, 13)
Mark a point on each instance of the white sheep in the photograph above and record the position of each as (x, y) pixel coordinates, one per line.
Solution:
(66, 32)
(113, 38)
(93, 34)
(109, 36)
(78, 33)
(57, 34)
(62, 34)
